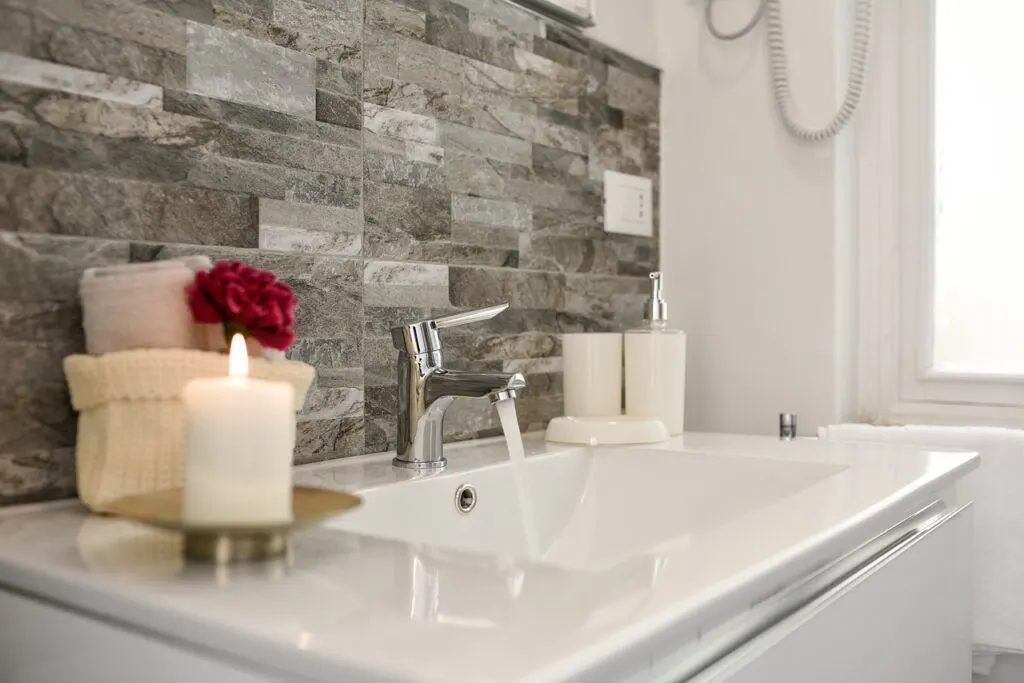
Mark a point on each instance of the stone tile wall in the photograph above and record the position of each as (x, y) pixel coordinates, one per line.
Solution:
(390, 159)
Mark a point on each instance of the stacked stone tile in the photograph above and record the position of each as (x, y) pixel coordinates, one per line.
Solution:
(390, 159)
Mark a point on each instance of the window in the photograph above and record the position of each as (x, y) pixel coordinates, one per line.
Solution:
(978, 324)
(941, 182)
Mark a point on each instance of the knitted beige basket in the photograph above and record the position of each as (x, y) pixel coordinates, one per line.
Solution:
(131, 420)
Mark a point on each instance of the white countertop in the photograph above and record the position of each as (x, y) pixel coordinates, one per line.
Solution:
(353, 608)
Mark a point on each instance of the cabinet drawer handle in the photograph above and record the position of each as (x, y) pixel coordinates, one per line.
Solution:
(774, 609)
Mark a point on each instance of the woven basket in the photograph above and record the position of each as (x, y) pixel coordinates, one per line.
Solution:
(131, 420)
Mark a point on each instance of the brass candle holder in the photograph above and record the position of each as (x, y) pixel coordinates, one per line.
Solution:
(225, 543)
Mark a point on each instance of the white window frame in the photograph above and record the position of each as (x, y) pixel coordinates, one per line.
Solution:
(895, 179)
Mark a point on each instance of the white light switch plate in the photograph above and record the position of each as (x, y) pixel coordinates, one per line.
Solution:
(628, 204)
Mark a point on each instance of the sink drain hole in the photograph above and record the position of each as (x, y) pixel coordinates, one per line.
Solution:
(465, 498)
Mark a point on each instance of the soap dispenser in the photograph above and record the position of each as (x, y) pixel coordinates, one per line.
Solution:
(656, 365)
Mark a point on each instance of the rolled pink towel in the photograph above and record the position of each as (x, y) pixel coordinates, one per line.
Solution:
(140, 306)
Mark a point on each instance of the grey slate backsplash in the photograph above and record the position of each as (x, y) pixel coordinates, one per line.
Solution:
(389, 159)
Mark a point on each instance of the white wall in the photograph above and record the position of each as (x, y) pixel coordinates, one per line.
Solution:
(749, 222)
(629, 26)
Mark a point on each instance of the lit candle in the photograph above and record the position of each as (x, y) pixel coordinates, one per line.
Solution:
(240, 433)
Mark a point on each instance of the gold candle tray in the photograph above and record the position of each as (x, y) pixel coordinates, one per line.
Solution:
(233, 543)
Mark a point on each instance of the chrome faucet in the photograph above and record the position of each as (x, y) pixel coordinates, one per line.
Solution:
(426, 388)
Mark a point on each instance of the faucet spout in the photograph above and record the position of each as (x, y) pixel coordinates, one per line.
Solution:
(493, 385)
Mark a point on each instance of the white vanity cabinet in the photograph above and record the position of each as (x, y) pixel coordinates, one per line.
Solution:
(43, 643)
(905, 618)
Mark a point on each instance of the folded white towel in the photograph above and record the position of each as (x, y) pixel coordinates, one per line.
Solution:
(983, 662)
(997, 488)
(1011, 663)
(140, 306)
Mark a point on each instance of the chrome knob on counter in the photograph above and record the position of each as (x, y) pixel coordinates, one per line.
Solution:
(787, 426)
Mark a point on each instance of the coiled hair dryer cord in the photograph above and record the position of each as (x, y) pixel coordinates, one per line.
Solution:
(771, 11)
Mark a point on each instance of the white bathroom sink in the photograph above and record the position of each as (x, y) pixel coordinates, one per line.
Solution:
(592, 508)
(642, 553)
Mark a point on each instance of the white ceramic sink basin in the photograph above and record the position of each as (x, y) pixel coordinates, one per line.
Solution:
(592, 508)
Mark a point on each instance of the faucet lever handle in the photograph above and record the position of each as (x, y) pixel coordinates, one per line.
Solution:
(467, 317)
(421, 337)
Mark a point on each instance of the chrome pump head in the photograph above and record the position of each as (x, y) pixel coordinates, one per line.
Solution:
(656, 310)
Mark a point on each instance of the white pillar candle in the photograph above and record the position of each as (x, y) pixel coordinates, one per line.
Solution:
(592, 374)
(240, 433)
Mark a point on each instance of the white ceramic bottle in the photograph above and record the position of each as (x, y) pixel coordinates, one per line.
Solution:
(656, 365)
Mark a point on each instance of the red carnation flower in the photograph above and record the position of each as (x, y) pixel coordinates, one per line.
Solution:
(247, 300)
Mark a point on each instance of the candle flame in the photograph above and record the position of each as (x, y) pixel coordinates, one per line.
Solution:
(238, 357)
